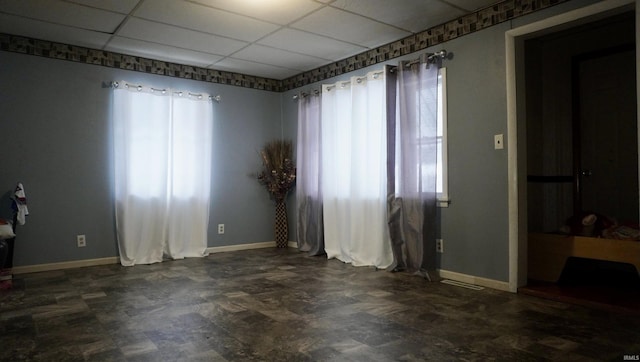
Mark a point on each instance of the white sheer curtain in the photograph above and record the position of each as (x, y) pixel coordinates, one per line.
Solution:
(412, 192)
(162, 160)
(310, 234)
(354, 171)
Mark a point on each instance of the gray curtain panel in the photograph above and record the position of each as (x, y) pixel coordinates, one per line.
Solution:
(412, 160)
(310, 229)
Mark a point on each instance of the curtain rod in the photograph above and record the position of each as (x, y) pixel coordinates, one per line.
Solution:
(115, 84)
(304, 94)
(430, 58)
(358, 80)
(442, 54)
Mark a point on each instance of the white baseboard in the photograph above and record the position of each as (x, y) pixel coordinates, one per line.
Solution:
(64, 265)
(115, 260)
(470, 279)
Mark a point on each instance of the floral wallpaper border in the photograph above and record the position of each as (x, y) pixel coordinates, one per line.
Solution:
(481, 19)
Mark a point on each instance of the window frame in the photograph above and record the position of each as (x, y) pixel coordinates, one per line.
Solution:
(443, 199)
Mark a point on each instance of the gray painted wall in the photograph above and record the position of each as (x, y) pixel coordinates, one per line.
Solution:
(56, 140)
(475, 225)
(55, 129)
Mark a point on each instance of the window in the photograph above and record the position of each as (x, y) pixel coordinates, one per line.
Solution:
(441, 145)
(162, 168)
(354, 171)
(441, 181)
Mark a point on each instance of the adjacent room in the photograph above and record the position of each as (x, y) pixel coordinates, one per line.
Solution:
(319, 180)
(582, 228)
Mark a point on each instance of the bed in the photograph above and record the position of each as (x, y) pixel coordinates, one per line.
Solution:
(548, 253)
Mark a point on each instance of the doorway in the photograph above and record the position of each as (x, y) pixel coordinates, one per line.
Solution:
(581, 152)
(516, 125)
(605, 127)
(581, 128)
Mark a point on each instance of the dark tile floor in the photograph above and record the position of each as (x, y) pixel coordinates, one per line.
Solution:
(281, 305)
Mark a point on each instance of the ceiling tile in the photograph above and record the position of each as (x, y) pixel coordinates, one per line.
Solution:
(201, 18)
(276, 11)
(306, 43)
(352, 28)
(411, 15)
(10, 24)
(161, 52)
(472, 5)
(178, 37)
(253, 68)
(64, 13)
(120, 6)
(277, 57)
(273, 39)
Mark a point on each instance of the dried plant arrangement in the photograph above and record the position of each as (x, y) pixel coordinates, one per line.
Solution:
(278, 173)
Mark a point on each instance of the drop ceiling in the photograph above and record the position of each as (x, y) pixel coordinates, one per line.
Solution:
(267, 38)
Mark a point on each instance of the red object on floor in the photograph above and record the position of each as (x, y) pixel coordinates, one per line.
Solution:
(6, 284)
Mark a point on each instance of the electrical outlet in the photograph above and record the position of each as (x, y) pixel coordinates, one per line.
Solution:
(82, 241)
(439, 246)
(220, 228)
(498, 142)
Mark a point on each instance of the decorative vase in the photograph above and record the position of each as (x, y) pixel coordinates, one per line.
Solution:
(281, 228)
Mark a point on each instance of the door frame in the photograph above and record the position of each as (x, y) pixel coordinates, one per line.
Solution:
(516, 145)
